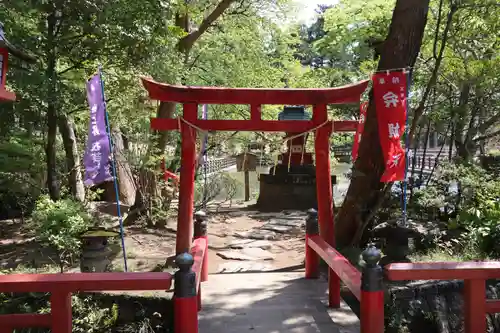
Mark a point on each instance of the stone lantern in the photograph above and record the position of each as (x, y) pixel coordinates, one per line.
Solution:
(7, 48)
(395, 241)
(95, 251)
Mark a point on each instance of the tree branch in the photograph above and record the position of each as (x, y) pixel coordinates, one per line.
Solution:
(432, 81)
(487, 136)
(186, 43)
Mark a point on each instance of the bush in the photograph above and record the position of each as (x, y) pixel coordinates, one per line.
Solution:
(59, 224)
(474, 206)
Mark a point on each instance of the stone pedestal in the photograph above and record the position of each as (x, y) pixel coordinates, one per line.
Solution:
(95, 251)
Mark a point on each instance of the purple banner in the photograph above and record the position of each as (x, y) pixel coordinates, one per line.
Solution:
(97, 153)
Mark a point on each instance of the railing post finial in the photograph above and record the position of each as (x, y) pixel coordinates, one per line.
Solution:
(185, 278)
(312, 227)
(372, 278)
(200, 224)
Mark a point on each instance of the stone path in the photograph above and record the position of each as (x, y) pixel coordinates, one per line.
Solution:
(270, 303)
(254, 249)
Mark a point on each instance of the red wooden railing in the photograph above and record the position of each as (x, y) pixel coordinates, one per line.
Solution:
(474, 274)
(187, 297)
(366, 286)
(61, 286)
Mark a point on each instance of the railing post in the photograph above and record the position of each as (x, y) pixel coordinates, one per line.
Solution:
(474, 306)
(185, 299)
(312, 258)
(60, 311)
(200, 231)
(372, 292)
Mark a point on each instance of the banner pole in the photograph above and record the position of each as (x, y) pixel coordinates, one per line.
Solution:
(204, 158)
(407, 149)
(115, 180)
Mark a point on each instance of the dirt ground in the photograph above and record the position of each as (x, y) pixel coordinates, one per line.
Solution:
(147, 249)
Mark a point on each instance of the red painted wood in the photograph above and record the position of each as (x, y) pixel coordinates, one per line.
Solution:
(60, 311)
(7, 95)
(334, 298)
(325, 195)
(204, 266)
(474, 306)
(492, 306)
(372, 311)
(76, 282)
(292, 126)
(188, 169)
(198, 297)
(339, 264)
(215, 95)
(255, 112)
(344, 126)
(198, 251)
(311, 261)
(443, 271)
(5, 64)
(6, 329)
(25, 320)
(185, 315)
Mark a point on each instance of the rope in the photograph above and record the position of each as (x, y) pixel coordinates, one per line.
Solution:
(303, 151)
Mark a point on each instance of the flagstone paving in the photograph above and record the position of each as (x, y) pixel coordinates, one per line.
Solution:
(270, 303)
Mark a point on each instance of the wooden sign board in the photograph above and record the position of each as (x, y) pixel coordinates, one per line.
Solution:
(249, 160)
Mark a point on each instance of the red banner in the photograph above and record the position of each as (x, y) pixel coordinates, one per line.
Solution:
(359, 130)
(389, 90)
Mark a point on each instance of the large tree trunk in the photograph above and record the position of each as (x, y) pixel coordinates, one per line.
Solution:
(126, 183)
(399, 50)
(67, 130)
(50, 149)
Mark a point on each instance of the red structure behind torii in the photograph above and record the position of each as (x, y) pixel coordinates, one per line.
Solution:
(191, 97)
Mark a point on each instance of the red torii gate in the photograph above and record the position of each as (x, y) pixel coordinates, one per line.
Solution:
(191, 97)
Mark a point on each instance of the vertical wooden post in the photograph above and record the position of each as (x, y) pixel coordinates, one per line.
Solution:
(185, 298)
(312, 258)
(188, 169)
(474, 306)
(60, 311)
(324, 194)
(372, 293)
(255, 112)
(201, 231)
(247, 185)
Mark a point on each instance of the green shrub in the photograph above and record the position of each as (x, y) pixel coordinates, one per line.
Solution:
(59, 224)
(475, 207)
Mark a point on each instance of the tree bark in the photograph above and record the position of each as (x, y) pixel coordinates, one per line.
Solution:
(126, 182)
(399, 50)
(50, 73)
(75, 181)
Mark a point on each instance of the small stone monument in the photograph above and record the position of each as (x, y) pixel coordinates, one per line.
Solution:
(396, 241)
(95, 251)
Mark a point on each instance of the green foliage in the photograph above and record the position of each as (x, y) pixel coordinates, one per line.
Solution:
(475, 207)
(88, 315)
(59, 224)
(21, 173)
